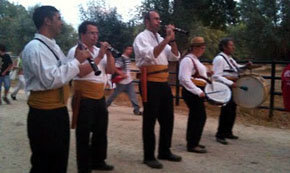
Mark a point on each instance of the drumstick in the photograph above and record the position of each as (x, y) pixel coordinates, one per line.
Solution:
(213, 92)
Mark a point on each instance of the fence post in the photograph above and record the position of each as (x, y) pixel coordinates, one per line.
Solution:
(177, 85)
(272, 90)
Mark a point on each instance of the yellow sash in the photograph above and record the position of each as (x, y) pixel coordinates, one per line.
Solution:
(89, 89)
(198, 82)
(49, 99)
(157, 77)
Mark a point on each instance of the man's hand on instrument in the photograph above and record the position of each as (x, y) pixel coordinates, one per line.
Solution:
(249, 64)
(170, 34)
(202, 95)
(82, 55)
(109, 53)
(104, 48)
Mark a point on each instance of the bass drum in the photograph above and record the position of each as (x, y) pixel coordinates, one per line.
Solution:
(251, 92)
(217, 93)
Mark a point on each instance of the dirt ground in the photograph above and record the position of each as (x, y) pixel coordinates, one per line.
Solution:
(259, 149)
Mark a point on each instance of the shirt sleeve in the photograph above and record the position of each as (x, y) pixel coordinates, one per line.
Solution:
(71, 54)
(218, 69)
(238, 65)
(143, 50)
(47, 71)
(185, 76)
(171, 56)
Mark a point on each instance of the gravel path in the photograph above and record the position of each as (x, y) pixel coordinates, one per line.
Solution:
(259, 149)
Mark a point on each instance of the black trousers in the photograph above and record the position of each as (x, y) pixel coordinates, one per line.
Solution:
(227, 119)
(91, 133)
(159, 106)
(196, 118)
(48, 133)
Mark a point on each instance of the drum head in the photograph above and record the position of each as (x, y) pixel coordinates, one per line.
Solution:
(218, 93)
(253, 95)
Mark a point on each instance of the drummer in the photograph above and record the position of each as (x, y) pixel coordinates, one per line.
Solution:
(226, 70)
(192, 92)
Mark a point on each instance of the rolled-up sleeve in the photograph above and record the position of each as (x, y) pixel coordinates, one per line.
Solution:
(171, 56)
(238, 65)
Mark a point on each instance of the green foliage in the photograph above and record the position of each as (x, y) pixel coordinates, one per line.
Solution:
(260, 28)
(220, 14)
(238, 33)
(211, 37)
(17, 28)
(267, 35)
(206, 18)
(164, 8)
(110, 25)
(68, 37)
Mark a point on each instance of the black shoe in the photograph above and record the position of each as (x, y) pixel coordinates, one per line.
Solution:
(84, 171)
(137, 112)
(170, 157)
(13, 97)
(231, 136)
(201, 146)
(222, 141)
(153, 164)
(5, 99)
(102, 166)
(197, 149)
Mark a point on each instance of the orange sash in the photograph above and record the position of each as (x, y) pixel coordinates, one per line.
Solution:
(198, 82)
(152, 73)
(84, 89)
(49, 99)
(89, 89)
(161, 74)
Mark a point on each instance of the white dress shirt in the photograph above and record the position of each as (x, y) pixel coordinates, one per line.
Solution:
(144, 45)
(42, 71)
(221, 68)
(102, 78)
(187, 69)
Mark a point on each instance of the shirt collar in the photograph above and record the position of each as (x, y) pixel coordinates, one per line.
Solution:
(95, 51)
(151, 33)
(225, 55)
(192, 56)
(50, 42)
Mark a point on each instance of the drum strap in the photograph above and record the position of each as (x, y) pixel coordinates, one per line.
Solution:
(230, 65)
(61, 90)
(196, 75)
(57, 58)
